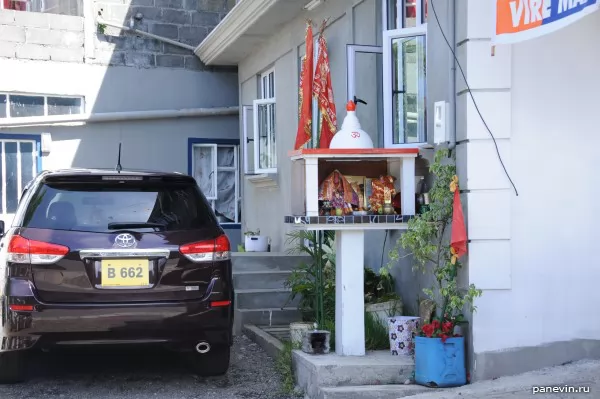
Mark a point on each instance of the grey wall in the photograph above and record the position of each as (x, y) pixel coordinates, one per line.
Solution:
(351, 22)
(185, 21)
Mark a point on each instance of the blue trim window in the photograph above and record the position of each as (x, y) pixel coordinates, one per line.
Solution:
(215, 166)
(20, 163)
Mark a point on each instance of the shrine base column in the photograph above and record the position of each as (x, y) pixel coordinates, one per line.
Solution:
(349, 293)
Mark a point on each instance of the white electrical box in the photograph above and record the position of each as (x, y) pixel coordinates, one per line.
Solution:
(46, 143)
(440, 122)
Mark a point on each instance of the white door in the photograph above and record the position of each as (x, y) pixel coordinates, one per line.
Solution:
(365, 82)
(17, 168)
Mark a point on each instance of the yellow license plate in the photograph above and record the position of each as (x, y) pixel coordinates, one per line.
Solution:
(125, 273)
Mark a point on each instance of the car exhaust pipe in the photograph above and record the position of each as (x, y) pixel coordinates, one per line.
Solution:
(203, 347)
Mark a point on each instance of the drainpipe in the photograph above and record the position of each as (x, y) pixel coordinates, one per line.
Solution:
(101, 21)
(452, 80)
(117, 116)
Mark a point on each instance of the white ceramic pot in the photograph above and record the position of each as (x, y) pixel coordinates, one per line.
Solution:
(385, 310)
(256, 243)
(403, 330)
(297, 331)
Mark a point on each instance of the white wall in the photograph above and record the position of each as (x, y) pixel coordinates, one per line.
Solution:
(552, 278)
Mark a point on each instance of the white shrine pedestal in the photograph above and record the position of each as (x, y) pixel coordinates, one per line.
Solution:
(312, 166)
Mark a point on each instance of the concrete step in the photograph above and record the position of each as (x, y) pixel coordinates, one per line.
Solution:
(265, 261)
(267, 342)
(314, 373)
(264, 279)
(371, 392)
(264, 299)
(268, 316)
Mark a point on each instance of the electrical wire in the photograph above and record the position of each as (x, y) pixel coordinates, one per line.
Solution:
(472, 97)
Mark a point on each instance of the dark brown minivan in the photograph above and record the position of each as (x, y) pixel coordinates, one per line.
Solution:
(103, 257)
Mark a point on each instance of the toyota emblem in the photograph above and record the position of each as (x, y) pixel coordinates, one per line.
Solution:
(125, 240)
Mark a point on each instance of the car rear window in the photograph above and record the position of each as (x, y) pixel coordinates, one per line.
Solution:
(102, 207)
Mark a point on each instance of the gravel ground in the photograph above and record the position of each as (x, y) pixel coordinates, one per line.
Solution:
(137, 374)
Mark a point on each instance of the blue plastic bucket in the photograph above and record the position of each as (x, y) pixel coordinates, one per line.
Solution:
(440, 364)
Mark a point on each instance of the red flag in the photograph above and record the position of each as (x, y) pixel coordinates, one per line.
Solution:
(323, 91)
(304, 133)
(458, 241)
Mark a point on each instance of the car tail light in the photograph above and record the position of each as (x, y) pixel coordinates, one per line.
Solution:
(21, 308)
(23, 250)
(219, 304)
(207, 251)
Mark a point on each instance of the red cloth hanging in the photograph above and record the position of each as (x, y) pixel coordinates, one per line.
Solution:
(304, 133)
(323, 91)
(458, 240)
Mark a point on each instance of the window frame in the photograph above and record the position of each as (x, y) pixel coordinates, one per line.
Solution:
(388, 36)
(45, 96)
(37, 167)
(255, 108)
(214, 144)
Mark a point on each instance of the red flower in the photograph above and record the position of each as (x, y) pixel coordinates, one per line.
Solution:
(428, 330)
(447, 326)
(435, 324)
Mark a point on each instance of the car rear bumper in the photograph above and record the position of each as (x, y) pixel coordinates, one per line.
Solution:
(178, 324)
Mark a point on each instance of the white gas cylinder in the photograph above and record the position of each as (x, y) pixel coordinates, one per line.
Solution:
(351, 135)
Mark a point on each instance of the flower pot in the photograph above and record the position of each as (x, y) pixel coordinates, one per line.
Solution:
(316, 342)
(385, 310)
(256, 243)
(402, 331)
(297, 331)
(440, 364)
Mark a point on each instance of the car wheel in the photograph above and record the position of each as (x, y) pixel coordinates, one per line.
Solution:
(11, 367)
(213, 363)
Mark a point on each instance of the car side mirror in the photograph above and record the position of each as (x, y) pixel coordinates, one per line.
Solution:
(1, 228)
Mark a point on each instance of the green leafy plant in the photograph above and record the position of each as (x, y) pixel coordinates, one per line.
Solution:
(303, 281)
(251, 233)
(379, 287)
(241, 248)
(284, 366)
(427, 241)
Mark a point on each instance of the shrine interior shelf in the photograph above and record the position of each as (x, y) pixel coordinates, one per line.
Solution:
(311, 166)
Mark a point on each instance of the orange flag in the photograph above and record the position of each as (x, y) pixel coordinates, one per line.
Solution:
(458, 240)
(323, 91)
(304, 133)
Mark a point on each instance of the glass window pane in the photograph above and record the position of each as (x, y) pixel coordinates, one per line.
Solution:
(267, 150)
(3, 106)
(176, 206)
(225, 203)
(11, 172)
(271, 85)
(368, 83)
(21, 106)
(424, 13)
(226, 156)
(410, 13)
(204, 172)
(27, 160)
(64, 106)
(392, 14)
(408, 89)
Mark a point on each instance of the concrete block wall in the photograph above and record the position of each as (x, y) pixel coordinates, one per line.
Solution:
(64, 38)
(185, 21)
(38, 36)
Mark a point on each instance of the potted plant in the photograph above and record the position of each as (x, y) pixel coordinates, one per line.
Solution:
(439, 350)
(381, 299)
(254, 242)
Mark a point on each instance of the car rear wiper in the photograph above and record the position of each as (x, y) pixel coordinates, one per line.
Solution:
(134, 225)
